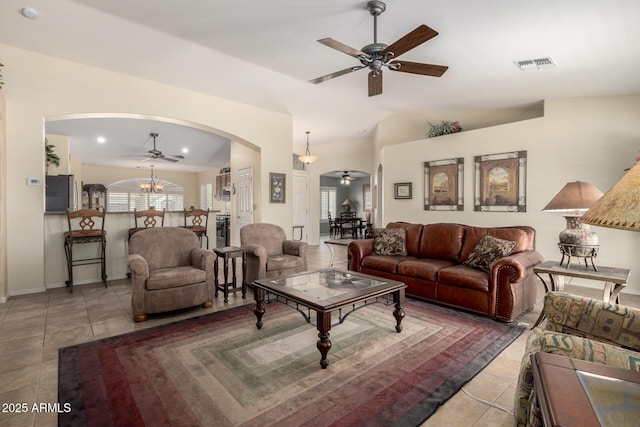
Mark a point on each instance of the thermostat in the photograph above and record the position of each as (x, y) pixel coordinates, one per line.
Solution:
(34, 181)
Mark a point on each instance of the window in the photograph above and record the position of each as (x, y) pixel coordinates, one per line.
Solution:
(125, 196)
(327, 203)
(206, 196)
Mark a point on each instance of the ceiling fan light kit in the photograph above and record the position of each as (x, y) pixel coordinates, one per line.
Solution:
(156, 154)
(377, 55)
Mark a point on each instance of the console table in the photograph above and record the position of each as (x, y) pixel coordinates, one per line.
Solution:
(614, 279)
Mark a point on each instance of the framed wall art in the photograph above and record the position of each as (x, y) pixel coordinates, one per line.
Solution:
(500, 182)
(277, 182)
(443, 185)
(403, 190)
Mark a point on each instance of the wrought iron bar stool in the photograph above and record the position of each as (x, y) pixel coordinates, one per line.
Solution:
(197, 221)
(151, 218)
(89, 232)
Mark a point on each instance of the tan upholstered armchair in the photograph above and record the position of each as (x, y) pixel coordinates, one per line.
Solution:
(269, 253)
(580, 328)
(169, 271)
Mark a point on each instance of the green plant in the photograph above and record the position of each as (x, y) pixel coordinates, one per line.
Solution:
(1, 81)
(443, 128)
(51, 157)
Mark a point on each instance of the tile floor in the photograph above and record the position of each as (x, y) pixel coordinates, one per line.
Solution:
(33, 327)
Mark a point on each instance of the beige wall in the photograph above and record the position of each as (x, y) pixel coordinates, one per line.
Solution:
(587, 139)
(39, 86)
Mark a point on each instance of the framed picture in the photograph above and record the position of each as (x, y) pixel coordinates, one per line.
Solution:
(403, 190)
(277, 182)
(500, 184)
(443, 185)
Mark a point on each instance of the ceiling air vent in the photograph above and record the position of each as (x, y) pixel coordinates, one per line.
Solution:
(535, 64)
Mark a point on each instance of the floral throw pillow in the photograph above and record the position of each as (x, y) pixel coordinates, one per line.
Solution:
(390, 241)
(488, 250)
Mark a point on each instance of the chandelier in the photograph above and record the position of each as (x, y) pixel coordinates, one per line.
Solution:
(151, 186)
(308, 158)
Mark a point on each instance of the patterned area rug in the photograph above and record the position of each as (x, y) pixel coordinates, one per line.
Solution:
(219, 369)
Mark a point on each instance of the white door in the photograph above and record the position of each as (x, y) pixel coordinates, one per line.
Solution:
(244, 199)
(300, 205)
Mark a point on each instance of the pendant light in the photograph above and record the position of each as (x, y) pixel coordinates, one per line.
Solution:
(308, 158)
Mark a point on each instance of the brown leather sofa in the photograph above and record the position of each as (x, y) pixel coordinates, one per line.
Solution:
(433, 267)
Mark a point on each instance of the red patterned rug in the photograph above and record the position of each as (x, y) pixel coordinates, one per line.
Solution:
(219, 369)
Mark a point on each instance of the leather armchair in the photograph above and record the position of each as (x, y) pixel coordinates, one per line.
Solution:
(580, 328)
(169, 271)
(269, 253)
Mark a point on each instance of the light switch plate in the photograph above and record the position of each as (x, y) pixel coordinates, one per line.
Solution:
(34, 181)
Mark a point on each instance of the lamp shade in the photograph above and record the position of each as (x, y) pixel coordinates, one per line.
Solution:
(347, 202)
(575, 197)
(620, 206)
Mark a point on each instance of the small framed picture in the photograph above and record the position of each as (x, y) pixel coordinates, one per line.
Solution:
(277, 183)
(403, 190)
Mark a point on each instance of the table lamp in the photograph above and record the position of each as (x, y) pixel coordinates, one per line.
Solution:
(573, 201)
(620, 206)
(347, 204)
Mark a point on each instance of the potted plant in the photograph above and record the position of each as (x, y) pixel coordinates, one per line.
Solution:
(443, 128)
(50, 156)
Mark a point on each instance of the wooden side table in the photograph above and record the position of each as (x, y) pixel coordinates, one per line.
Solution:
(615, 279)
(572, 392)
(226, 253)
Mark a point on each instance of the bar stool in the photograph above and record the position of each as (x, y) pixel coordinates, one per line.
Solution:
(151, 218)
(88, 233)
(197, 217)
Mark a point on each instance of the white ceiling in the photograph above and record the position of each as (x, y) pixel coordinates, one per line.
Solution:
(264, 52)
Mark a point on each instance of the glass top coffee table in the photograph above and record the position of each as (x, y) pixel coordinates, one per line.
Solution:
(326, 291)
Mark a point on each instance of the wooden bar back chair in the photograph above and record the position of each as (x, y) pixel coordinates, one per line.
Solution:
(197, 221)
(90, 223)
(151, 217)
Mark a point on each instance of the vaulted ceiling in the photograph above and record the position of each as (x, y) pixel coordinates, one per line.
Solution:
(264, 53)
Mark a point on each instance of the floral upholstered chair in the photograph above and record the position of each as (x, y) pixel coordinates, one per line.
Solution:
(580, 328)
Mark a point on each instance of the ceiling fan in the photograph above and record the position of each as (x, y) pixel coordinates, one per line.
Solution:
(377, 55)
(157, 154)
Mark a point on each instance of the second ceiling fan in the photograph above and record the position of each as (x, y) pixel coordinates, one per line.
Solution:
(377, 55)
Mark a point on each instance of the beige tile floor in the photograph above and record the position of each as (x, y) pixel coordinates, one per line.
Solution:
(33, 327)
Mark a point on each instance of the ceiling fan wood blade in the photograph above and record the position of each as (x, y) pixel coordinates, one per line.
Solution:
(334, 75)
(375, 83)
(409, 41)
(334, 44)
(168, 159)
(418, 68)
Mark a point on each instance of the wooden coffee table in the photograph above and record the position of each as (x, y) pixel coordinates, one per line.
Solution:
(572, 392)
(327, 291)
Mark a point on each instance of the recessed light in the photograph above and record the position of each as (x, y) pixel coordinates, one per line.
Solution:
(185, 150)
(29, 13)
(102, 139)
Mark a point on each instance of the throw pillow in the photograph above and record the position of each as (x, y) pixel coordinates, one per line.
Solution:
(390, 241)
(488, 250)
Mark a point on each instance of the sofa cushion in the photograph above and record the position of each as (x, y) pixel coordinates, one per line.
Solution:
(465, 277)
(390, 241)
(166, 278)
(384, 263)
(488, 250)
(413, 235)
(441, 241)
(423, 268)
